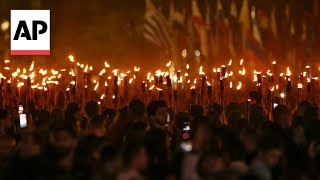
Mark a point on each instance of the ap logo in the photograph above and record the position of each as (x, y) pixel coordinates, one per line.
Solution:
(30, 32)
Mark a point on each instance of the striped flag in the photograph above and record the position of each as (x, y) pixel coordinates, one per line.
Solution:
(156, 28)
(200, 28)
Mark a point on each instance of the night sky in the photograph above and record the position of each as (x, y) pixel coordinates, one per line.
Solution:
(99, 30)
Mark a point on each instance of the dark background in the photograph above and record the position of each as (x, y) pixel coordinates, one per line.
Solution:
(112, 30)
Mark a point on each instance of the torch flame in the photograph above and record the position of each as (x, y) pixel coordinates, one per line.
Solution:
(68, 89)
(130, 81)
(282, 95)
(6, 61)
(241, 62)
(308, 80)
(20, 84)
(24, 70)
(115, 72)
(186, 74)
(105, 83)
(231, 85)
(184, 53)
(102, 96)
(90, 68)
(208, 83)
(34, 86)
(187, 66)
(96, 87)
(73, 83)
(102, 72)
(106, 64)
(159, 89)
(214, 70)
(14, 74)
(274, 62)
(136, 69)
(230, 62)
(151, 87)
(299, 86)
(169, 64)
(255, 78)
(288, 72)
(304, 74)
(272, 89)
(218, 70)
(201, 71)
(9, 81)
(281, 74)
(277, 86)
(193, 87)
(71, 58)
(239, 86)
(113, 96)
(307, 67)
(86, 68)
(31, 66)
(195, 81)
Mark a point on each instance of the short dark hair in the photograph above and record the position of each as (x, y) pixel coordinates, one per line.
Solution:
(267, 143)
(92, 108)
(96, 121)
(279, 112)
(155, 105)
(130, 151)
(137, 107)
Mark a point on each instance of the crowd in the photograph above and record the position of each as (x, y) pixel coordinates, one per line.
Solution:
(138, 141)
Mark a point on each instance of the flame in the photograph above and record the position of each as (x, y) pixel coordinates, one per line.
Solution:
(282, 95)
(102, 96)
(159, 89)
(109, 77)
(288, 72)
(308, 80)
(73, 83)
(187, 66)
(14, 74)
(218, 70)
(6, 68)
(86, 68)
(24, 70)
(136, 69)
(31, 66)
(9, 81)
(90, 68)
(169, 64)
(281, 74)
(307, 67)
(188, 81)
(272, 89)
(315, 78)
(130, 80)
(239, 86)
(68, 89)
(193, 87)
(54, 72)
(52, 82)
(197, 53)
(115, 72)
(78, 64)
(40, 87)
(151, 87)
(82, 66)
(186, 74)
(208, 83)
(148, 75)
(18, 70)
(230, 85)
(201, 71)
(102, 72)
(94, 81)
(96, 87)
(230, 73)
(106, 64)
(195, 81)
(299, 86)
(230, 62)
(6, 61)
(86, 86)
(304, 74)
(255, 78)
(32, 75)
(105, 83)
(214, 70)
(71, 58)
(184, 53)
(274, 62)
(256, 72)
(20, 84)
(113, 96)
(277, 86)
(269, 73)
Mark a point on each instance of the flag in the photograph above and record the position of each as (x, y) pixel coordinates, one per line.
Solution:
(254, 46)
(273, 22)
(244, 19)
(200, 28)
(156, 28)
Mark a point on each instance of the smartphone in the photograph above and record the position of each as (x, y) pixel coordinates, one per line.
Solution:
(275, 105)
(23, 120)
(186, 146)
(20, 109)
